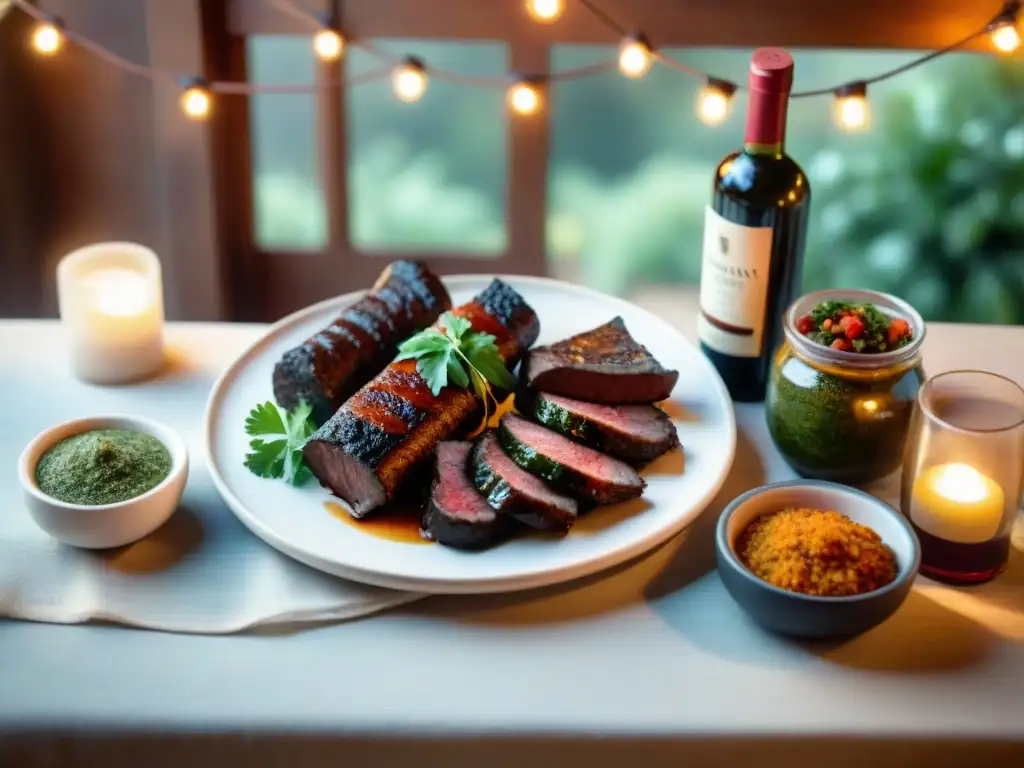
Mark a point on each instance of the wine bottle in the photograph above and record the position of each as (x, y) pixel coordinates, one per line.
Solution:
(754, 232)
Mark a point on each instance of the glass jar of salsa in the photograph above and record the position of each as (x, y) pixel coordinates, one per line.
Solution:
(843, 384)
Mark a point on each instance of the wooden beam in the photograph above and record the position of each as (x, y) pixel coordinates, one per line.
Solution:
(185, 180)
(526, 189)
(907, 24)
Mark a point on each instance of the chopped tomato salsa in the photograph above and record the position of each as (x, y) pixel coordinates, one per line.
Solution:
(854, 327)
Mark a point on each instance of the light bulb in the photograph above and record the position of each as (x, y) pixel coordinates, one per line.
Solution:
(47, 38)
(524, 98)
(852, 111)
(196, 99)
(714, 101)
(635, 56)
(328, 44)
(545, 11)
(410, 80)
(1005, 36)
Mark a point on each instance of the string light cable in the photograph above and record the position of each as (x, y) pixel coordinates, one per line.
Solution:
(525, 92)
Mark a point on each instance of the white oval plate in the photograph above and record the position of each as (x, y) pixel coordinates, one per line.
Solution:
(294, 520)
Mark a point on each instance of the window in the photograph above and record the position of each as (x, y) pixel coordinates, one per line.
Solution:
(608, 186)
(289, 210)
(424, 176)
(429, 175)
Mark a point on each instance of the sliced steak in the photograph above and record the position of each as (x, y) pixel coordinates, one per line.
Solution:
(568, 466)
(513, 491)
(327, 368)
(603, 365)
(457, 515)
(393, 423)
(636, 433)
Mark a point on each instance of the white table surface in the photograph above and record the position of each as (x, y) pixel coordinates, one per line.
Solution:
(650, 664)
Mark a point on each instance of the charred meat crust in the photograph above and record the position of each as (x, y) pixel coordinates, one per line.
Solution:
(602, 365)
(502, 311)
(332, 364)
(457, 516)
(394, 422)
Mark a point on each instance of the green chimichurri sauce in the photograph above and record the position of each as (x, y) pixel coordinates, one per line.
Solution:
(104, 466)
(833, 428)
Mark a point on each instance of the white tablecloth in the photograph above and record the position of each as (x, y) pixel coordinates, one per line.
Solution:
(649, 664)
(201, 572)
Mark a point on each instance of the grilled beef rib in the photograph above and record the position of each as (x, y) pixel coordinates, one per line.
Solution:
(394, 422)
(635, 433)
(457, 515)
(513, 491)
(327, 368)
(602, 365)
(568, 466)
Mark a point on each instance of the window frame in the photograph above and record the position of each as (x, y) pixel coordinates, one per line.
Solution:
(270, 283)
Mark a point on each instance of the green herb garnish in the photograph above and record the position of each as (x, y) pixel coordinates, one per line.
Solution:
(458, 356)
(280, 456)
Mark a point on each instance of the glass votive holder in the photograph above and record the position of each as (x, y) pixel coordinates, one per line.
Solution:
(963, 474)
(111, 307)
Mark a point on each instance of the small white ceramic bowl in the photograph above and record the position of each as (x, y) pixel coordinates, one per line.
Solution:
(105, 525)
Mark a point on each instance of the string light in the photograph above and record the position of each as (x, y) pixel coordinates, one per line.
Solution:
(714, 101)
(852, 111)
(1005, 36)
(48, 36)
(196, 99)
(635, 56)
(410, 79)
(524, 97)
(328, 44)
(545, 11)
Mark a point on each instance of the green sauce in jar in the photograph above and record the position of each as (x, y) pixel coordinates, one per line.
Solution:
(838, 414)
(103, 466)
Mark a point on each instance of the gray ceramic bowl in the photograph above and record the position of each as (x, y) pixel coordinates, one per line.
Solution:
(811, 616)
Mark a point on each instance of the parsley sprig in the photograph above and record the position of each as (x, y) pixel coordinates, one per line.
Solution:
(460, 356)
(278, 436)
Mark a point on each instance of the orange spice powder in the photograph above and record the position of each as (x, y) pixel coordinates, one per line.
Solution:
(816, 552)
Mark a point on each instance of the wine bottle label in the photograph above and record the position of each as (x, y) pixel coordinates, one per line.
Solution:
(733, 286)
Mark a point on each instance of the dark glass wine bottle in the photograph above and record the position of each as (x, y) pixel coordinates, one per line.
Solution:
(754, 232)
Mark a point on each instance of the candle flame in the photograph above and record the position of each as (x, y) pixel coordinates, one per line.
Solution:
(117, 292)
(961, 483)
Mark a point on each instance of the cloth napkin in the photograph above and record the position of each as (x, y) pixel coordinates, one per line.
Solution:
(202, 572)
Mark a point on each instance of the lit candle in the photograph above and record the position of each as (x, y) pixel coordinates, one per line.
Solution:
(111, 305)
(957, 503)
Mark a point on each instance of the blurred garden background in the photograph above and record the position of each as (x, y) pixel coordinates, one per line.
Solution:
(927, 203)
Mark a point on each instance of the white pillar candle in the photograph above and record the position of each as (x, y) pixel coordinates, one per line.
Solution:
(957, 503)
(111, 306)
